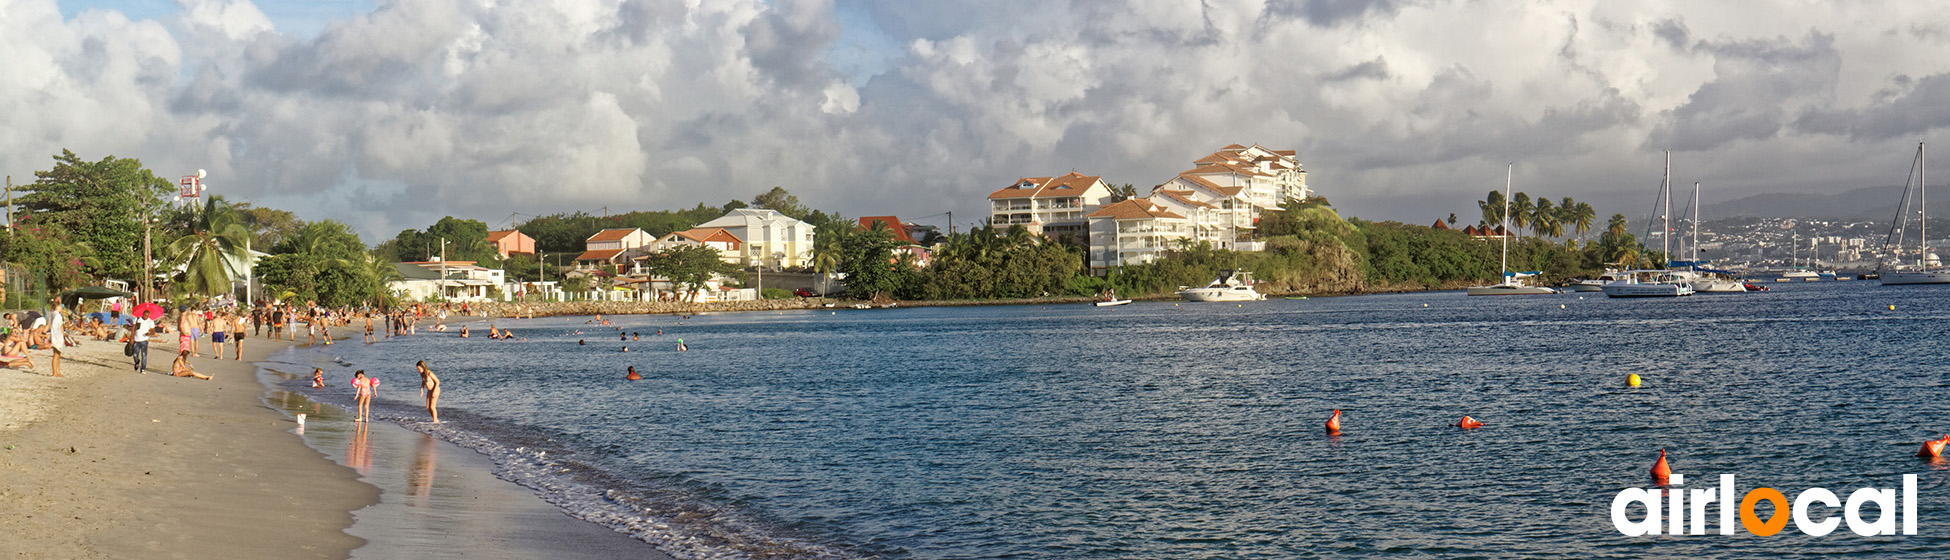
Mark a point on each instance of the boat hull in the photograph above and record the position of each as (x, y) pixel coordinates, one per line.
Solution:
(1112, 302)
(1510, 291)
(1221, 294)
(1898, 278)
(1719, 287)
(1587, 287)
(1647, 290)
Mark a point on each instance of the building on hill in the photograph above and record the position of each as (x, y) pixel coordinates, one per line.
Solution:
(1440, 225)
(1240, 182)
(462, 281)
(767, 237)
(1136, 231)
(511, 242)
(613, 247)
(1054, 207)
(728, 245)
(907, 234)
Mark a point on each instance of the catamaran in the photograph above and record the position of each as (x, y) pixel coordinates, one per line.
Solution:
(1705, 280)
(1656, 283)
(1927, 269)
(1512, 281)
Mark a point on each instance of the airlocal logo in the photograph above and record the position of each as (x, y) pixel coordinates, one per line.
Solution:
(1690, 506)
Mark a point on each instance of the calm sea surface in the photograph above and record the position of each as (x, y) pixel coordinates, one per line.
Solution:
(1168, 430)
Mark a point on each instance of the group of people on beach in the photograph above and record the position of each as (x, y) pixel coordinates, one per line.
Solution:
(364, 388)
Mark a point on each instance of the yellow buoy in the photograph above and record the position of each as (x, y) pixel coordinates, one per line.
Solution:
(1560, 306)
(1892, 308)
(1425, 305)
(1632, 380)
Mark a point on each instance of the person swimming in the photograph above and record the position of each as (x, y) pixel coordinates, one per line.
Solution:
(626, 348)
(464, 333)
(633, 336)
(633, 375)
(582, 343)
(681, 347)
(623, 337)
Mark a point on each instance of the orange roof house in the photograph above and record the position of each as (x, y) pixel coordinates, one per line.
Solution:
(894, 226)
(509, 242)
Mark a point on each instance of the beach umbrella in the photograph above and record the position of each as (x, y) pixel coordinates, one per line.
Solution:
(148, 310)
(72, 298)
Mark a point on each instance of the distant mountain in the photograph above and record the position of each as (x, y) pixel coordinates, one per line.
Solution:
(1876, 203)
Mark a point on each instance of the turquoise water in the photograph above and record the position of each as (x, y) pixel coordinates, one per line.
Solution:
(1164, 430)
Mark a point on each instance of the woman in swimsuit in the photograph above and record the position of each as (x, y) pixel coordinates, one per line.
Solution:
(430, 385)
(365, 387)
(181, 367)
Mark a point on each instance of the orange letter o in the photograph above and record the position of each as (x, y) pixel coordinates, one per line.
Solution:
(1752, 522)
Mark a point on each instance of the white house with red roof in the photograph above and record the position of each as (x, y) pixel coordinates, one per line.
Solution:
(775, 239)
(728, 245)
(1054, 207)
(1239, 182)
(613, 247)
(1136, 231)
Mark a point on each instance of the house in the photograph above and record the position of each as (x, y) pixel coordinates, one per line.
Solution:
(904, 233)
(1135, 231)
(1240, 182)
(510, 242)
(715, 238)
(766, 238)
(448, 280)
(612, 247)
(1054, 207)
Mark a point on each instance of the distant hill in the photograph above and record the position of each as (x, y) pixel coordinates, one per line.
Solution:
(1877, 203)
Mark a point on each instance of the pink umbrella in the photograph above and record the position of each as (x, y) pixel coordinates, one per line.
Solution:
(148, 310)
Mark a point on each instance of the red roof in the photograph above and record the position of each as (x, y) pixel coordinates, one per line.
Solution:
(1073, 184)
(893, 226)
(494, 236)
(599, 254)
(1135, 209)
(612, 234)
(1439, 224)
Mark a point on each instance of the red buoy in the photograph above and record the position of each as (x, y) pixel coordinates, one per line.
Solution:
(1660, 470)
(1334, 423)
(1933, 448)
(1468, 423)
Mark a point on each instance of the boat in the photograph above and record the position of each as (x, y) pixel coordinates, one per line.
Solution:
(1704, 280)
(1650, 283)
(1928, 268)
(1110, 302)
(1229, 286)
(1512, 284)
(1752, 287)
(1660, 282)
(1598, 285)
(862, 306)
(1296, 297)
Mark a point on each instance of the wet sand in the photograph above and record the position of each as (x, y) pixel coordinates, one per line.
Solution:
(110, 463)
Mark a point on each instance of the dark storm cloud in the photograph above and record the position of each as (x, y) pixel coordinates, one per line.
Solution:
(1924, 106)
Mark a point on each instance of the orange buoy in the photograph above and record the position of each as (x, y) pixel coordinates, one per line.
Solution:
(633, 376)
(1334, 423)
(1933, 448)
(1660, 470)
(1468, 423)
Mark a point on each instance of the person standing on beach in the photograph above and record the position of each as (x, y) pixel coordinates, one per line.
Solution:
(57, 336)
(369, 337)
(364, 387)
(430, 388)
(219, 328)
(237, 336)
(139, 340)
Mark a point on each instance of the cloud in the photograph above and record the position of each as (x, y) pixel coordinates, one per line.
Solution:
(479, 108)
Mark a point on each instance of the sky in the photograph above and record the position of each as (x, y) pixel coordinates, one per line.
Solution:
(389, 115)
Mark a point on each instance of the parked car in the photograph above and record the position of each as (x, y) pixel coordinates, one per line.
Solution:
(802, 292)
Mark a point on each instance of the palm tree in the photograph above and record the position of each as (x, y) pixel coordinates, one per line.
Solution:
(1583, 217)
(826, 253)
(1520, 210)
(1544, 212)
(213, 253)
(1548, 224)
(1492, 208)
(382, 272)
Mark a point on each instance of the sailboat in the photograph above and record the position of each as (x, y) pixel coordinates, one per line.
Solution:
(1708, 280)
(1512, 284)
(1927, 269)
(1656, 283)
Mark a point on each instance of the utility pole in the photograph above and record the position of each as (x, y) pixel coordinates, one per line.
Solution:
(10, 206)
(443, 268)
(951, 223)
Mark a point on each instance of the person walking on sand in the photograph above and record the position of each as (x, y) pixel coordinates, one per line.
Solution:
(237, 336)
(57, 336)
(364, 387)
(369, 337)
(430, 388)
(219, 328)
(139, 341)
(186, 331)
(181, 367)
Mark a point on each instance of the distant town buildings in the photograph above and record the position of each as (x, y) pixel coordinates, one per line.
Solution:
(1135, 232)
(1054, 207)
(511, 242)
(768, 238)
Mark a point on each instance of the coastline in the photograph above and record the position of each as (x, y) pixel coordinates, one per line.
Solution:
(108, 463)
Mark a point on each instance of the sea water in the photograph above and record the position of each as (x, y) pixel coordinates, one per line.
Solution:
(1183, 430)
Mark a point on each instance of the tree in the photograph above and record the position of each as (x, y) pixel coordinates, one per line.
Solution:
(1120, 193)
(1452, 218)
(213, 253)
(466, 240)
(688, 267)
(330, 239)
(102, 204)
(781, 201)
(867, 260)
(1583, 217)
(55, 261)
(522, 267)
(1520, 211)
(268, 226)
(1492, 207)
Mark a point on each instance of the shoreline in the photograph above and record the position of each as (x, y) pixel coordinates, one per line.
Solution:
(518, 310)
(116, 464)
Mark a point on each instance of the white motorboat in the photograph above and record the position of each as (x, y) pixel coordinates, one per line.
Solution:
(1718, 282)
(1512, 284)
(1598, 285)
(1649, 283)
(1927, 269)
(1230, 286)
(1111, 302)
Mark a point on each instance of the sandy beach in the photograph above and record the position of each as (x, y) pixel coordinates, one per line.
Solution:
(110, 463)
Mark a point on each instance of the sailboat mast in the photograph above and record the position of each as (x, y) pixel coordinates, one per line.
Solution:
(1923, 201)
(1696, 223)
(1508, 173)
(1665, 219)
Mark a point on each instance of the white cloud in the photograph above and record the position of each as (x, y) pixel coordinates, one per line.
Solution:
(479, 108)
